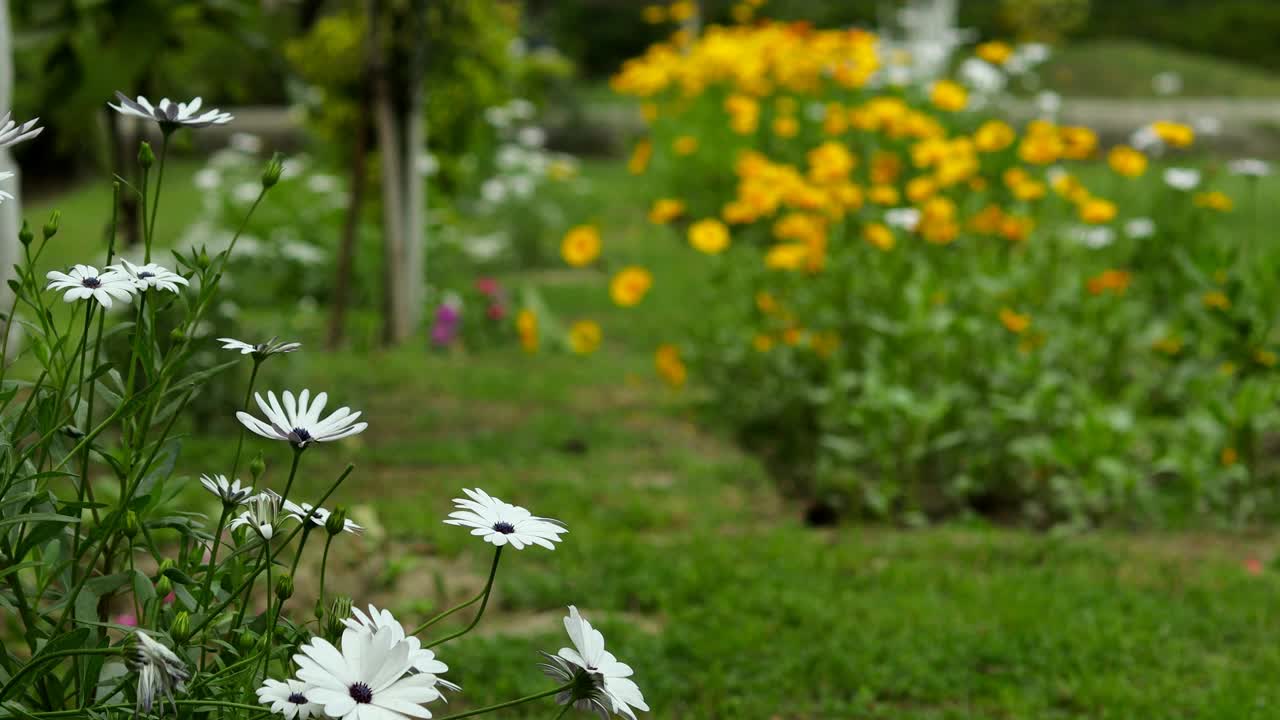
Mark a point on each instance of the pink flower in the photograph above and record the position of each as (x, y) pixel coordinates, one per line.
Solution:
(128, 619)
(1253, 566)
(487, 286)
(496, 311)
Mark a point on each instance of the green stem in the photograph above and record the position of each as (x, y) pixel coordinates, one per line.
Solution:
(465, 604)
(564, 711)
(488, 587)
(42, 659)
(248, 395)
(324, 565)
(206, 595)
(155, 205)
(293, 471)
(509, 703)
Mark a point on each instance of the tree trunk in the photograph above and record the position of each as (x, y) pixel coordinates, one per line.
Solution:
(350, 231)
(10, 210)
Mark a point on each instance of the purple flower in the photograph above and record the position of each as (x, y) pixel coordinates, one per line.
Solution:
(445, 329)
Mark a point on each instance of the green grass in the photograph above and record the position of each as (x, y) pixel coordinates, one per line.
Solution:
(703, 579)
(1124, 69)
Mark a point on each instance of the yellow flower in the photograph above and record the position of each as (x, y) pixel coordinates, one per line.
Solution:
(1215, 200)
(987, 221)
(1227, 368)
(785, 126)
(830, 162)
(1127, 161)
(709, 236)
(527, 328)
(1040, 148)
(1229, 457)
(949, 96)
(1097, 212)
(762, 342)
(685, 145)
(1014, 322)
(672, 369)
(766, 303)
(883, 195)
(649, 111)
(1216, 299)
(665, 210)
(993, 136)
(654, 14)
(787, 256)
(1016, 228)
(1266, 358)
(581, 245)
(921, 189)
(824, 343)
(742, 13)
(879, 236)
(1078, 143)
(1167, 345)
(996, 53)
(792, 335)
(1029, 190)
(744, 113)
(640, 157)
(630, 285)
(682, 10)
(584, 337)
(1175, 134)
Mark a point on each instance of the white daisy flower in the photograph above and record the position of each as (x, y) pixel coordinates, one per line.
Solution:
(298, 420)
(1182, 178)
(289, 698)
(170, 115)
(903, 218)
(367, 680)
(261, 350)
(11, 133)
(6, 175)
(611, 681)
(319, 516)
(502, 523)
(1249, 167)
(84, 282)
(160, 672)
(421, 660)
(1139, 228)
(229, 491)
(261, 515)
(149, 276)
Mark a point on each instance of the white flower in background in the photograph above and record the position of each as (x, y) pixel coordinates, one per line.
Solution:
(898, 75)
(295, 166)
(261, 515)
(982, 76)
(1147, 140)
(531, 136)
(84, 282)
(1207, 125)
(521, 109)
(1033, 53)
(423, 661)
(230, 492)
(298, 421)
(151, 275)
(427, 164)
(170, 115)
(323, 183)
(1048, 102)
(246, 143)
(903, 218)
(1093, 236)
(611, 680)
(483, 248)
(160, 672)
(367, 680)
(262, 350)
(1182, 178)
(11, 133)
(510, 157)
(207, 179)
(1139, 228)
(318, 515)
(1249, 167)
(497, 116)
(1167, 83)
(246, 192)
(493, 191)
(502, 523)
(289, 698)
(521, 186)
(815, 111)
(303, 253)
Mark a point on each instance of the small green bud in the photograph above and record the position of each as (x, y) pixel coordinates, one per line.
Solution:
(271, 174)
(336, 521)
(180, 629)
(165, 565)
(202, 260)
(131, 525)
(284, 587)
(339, 611)
(257, 466)
(51, 226)
(25, 236)
(177, 335)
(247, 641)
(164, 586)
(146, 158)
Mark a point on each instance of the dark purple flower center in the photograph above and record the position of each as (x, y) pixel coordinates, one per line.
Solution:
(298, 699)
(505, 528)
(146, 274)
(91, 282)
(301, 435)
(361, 693)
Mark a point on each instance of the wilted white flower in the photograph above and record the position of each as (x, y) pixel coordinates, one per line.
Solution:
(11, 133)
(298, 420)
(502, 523)
(982, 76)
(207, 179)
(1249, 167)
(421, 660)
(367, 680)
(1167, 83)
(261, 515)
(318, 515)
(1182, 178)
(244, 142)
(903, 218)
(84, 282)
(170, 115)
(262, 350)
(1139, 228)
(610, 688)
(289, 698)
(160, 672)
(229, 491)
(151, 275)
(532, 137)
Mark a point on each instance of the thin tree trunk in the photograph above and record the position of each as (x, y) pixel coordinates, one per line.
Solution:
(350, 230)
(415, 199)
(10, 210)
(395, 302)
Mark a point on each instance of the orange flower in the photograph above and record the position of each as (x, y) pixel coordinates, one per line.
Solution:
(630, 285)
(1127, 161)
(1097, 212)
(762, 342)
(709, 236)
(685, 145)
(996, 53)
(1228, 457)
(665, 210)
(879, 236)
(584, 337)
(527, 328)
(1014, 322)
(949, 96)
(786, 126)
(993, 136)
(1215, 200)
(672, 369)
(1116, 281)
(581, 245)
(766, 303)
(640, 157)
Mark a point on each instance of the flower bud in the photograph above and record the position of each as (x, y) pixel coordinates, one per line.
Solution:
(131, 526)
(25, 236)
(51, 225)
(180, 629)
(202, 260)
(164, 586)
(340, 610)
(336, 521)
(257, 466)
(247, 641)
(177, 335)
(284, 587)
(146, 158)
(271, 175)
(166, 565)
